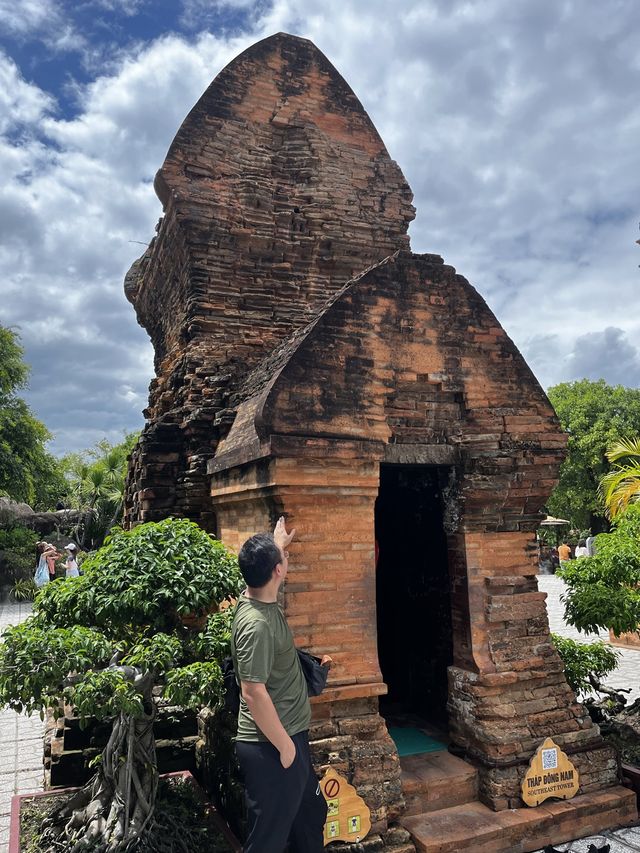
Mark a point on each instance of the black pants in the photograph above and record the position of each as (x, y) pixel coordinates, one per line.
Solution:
(283, 805)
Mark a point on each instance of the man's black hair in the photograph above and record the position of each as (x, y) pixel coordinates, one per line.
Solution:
(258, 558)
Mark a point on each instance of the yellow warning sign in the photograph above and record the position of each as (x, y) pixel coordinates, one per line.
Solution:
(348, 816)
(550, 774)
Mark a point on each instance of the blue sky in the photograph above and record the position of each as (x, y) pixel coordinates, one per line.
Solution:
(516, 122)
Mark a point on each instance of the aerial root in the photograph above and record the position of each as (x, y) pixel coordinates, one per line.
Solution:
(115, 807)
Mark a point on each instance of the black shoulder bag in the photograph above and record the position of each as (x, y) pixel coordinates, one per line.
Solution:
(315, 675)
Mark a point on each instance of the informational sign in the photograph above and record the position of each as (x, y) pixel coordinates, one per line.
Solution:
(550, 774)
(348, 816)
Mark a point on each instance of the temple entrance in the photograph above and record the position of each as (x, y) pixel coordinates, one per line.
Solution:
(413, 594)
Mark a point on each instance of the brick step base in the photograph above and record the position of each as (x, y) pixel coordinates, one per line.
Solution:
(437, 780)
(475, 827)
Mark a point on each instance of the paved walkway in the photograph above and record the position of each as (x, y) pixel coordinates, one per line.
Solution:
(21, 736)
(20, 742)
(627, 675)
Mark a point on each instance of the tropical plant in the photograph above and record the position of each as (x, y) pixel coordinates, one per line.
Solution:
(603, 591)
(96, 482)
(24, 590)
(621, 486)
(17, 553)
(106, 643)
(595, 415)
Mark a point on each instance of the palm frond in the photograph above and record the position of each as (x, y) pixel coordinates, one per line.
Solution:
(624, 448)
(619, 488)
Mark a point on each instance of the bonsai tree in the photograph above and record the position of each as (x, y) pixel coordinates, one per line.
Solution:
(109, 641)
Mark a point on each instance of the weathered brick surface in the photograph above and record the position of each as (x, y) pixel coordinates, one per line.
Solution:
(276, 190)
(299, 345)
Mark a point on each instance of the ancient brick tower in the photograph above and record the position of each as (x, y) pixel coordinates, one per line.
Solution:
(308, 364)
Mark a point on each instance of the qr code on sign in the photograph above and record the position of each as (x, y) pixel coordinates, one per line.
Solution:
(549, 759)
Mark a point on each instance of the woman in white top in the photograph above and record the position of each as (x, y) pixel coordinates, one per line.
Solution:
(581, 549)
(71, 564)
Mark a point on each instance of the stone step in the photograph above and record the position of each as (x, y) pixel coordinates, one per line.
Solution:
(475, 827)
(437, 780)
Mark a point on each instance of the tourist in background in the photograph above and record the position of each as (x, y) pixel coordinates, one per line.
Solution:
(581, 549)
(71, 563)
(41, 577)
(564, 553)
(51, 555)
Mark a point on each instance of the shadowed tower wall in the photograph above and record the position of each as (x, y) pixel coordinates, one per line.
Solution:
(276, 190)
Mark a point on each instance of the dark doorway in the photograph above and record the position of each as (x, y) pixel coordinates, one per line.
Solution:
(412, 589)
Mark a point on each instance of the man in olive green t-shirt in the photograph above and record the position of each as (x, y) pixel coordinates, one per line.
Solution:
(284, 800)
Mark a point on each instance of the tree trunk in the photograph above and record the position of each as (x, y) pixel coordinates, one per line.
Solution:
(114, 808)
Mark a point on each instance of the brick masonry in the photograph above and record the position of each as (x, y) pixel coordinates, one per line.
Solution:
(300, 345)
(276, 190)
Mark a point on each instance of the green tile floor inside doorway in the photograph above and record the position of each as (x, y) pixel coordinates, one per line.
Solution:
(412, 741)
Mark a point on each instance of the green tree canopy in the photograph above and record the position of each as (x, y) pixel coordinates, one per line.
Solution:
(595, 415)
(28, 472)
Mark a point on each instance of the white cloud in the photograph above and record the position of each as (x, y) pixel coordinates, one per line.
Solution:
(21, 103)
(127, 7)
(516, 124)
(44, 20)
(27, 15)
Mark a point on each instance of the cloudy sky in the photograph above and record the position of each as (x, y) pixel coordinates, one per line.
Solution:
(516, 122)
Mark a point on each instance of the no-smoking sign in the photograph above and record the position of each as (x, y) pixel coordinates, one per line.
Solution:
(331, 788)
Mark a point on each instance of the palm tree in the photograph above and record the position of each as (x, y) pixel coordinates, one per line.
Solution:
(621, 486)
(97, 481)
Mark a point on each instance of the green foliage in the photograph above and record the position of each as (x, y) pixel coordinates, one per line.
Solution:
(27, 471)
(104, 694)
(129, 600)
(197, 684)
(214, 643)
(603, 590)
(145, 577)
(19, 539)
(13, 370)
(17, 553)
(621, 486)
(35, 662)
(595, 415)
(582, 660)
(95, 482)
(24, 590)
(158, 653)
